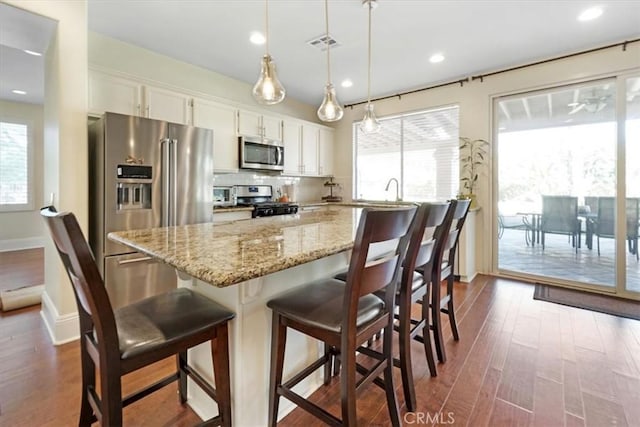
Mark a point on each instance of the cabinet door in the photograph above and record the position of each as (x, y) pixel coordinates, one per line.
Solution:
(291, 139)
(162, 104)
(249, 123)
(272, 127)
(114, 94)
(325, 162)
(310, 135)
(222, 119)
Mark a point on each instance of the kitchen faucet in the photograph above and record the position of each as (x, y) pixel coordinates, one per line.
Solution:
(397, 188)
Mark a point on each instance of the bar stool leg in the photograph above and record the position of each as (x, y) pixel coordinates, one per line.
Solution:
(450, 309)
(426, 336)
(389, 388)
(278, 342)
(181, 359)
(406, 369)
(220, 354)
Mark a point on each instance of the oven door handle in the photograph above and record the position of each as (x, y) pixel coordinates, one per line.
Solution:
(134, 260)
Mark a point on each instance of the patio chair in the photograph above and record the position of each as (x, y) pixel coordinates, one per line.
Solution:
(515, 222)
(604, 224)
(560, 216)
(592, 202)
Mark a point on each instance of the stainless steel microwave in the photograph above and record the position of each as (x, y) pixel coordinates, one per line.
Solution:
(224, 196)
(260, 153)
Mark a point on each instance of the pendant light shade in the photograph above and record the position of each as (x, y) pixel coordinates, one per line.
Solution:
(330, 109)
(268, 90)
(369, 122)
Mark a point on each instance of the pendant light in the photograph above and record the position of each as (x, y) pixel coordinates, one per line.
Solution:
(369, 122)
(268, 90)
(330, 109)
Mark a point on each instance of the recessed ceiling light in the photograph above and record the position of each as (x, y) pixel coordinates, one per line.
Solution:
(436, 57)
(589, 14)
(19, 92)
(31, 52)
(346, 83)
(257, 38)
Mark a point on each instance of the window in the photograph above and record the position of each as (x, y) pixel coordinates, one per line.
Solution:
(420, 150)
(15, 167)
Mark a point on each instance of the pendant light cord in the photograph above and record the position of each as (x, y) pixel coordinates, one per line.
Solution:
(327, 41)
(266, 26)
(369, 65)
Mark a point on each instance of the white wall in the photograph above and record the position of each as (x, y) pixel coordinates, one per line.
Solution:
(475, 100)
(114, 55)
(24, 229)
(65, 146)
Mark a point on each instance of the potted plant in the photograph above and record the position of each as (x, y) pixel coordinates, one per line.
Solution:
(473, 153)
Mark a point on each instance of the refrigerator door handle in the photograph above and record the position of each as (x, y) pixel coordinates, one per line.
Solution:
(174, 182)
(166, 193)
(134, 260)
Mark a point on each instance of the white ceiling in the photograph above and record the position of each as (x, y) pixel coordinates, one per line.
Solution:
(474, 36)
(21, 31)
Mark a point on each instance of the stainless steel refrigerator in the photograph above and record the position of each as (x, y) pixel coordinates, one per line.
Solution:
(144, 173)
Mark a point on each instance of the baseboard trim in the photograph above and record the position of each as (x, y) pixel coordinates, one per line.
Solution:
(62, 329)
(21, 244)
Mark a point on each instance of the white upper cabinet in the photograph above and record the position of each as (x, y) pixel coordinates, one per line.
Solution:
(325, 152)
(113, 94)
(255, 124)
(291, 139)
(272, 127)
(309, 148)
(163, 104)
(222, 119)
(119, 95)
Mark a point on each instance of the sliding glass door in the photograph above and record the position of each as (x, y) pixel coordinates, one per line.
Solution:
(631, 104)
(559, 157)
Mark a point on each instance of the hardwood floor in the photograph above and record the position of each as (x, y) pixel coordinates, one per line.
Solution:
(519, 362)
(21, 268)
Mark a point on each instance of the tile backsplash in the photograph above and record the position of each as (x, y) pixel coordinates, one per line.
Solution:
(306, 189)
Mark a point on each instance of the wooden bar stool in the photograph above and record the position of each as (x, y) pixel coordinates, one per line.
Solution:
(129, 338)
(413, 288)
(444, 270)
(344, 316)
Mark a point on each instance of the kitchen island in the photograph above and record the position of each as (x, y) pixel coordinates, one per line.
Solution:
(243, 264)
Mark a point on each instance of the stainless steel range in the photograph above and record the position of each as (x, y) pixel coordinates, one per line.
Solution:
(259, 196)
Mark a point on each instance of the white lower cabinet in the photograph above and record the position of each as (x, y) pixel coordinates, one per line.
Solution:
(221, 119)
(220, 216)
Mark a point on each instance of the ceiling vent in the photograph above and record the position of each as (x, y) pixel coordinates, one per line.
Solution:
(321, 42)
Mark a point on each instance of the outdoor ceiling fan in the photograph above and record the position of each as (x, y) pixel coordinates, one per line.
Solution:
(592, 104)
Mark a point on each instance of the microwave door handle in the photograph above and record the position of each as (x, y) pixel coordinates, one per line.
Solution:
(278, 156)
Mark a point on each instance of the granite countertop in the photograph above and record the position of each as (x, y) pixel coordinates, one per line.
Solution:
(226, 254)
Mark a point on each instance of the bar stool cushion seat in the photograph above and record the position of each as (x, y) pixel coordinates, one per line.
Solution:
(320, 303)
(162, 320)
